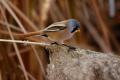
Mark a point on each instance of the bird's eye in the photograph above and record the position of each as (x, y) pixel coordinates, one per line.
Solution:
(77, 25)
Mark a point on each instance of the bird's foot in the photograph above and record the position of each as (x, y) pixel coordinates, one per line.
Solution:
(55, 43)
(70, 47)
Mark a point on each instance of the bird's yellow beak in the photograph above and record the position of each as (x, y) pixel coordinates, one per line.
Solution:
(77, 31)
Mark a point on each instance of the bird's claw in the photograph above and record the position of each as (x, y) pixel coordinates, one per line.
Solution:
(54, 43)
(70, 47)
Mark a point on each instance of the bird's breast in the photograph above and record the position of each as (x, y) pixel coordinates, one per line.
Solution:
(59, 36)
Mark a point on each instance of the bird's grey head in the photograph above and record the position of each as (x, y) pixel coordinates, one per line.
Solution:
(73, 25)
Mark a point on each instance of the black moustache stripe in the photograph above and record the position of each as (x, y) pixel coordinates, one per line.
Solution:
(74, 29)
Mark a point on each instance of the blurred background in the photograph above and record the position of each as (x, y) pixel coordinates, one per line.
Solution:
(99, 31)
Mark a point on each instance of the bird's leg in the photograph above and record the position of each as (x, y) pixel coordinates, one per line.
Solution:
(54, 43)
(70, 47)
(57, 42)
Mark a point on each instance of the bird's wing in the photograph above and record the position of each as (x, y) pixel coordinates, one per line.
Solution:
(56, 26)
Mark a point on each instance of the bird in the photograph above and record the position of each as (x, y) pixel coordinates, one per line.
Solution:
(59, 31)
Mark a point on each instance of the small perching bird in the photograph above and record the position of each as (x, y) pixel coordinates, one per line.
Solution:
(58, 31)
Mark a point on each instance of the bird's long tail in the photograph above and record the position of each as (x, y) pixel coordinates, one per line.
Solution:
(23, 36)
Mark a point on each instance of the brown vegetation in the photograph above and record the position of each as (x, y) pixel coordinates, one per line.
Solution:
(99, 19)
